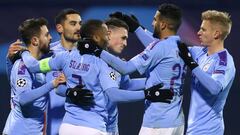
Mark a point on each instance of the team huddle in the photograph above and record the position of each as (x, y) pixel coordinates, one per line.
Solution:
(73, 86)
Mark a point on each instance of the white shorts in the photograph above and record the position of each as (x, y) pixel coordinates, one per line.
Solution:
(68, 129)
(162, 131)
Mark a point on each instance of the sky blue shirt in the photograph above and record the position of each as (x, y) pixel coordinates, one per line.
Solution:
(161, 64)
(27, 106)
(207, 100)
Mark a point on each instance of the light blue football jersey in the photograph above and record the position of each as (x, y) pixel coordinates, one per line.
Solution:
(29, 118)
(95, 75)
(161, 64)
(206, 109)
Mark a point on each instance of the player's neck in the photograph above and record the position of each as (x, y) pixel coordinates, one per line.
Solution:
(167, 34)
(68, 45)
(215, 47)
(35, 52)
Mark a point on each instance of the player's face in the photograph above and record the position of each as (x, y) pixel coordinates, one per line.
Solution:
(117, 39)
(44, 40)
(156, 25)
(71, 28)
(103, 36)
(206, 33)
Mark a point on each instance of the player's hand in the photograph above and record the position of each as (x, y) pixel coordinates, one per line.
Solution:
(130, 20)
(59, 80)
(13, 50)
(80, 96)
(156, 94)
(88, 46)
(186, 55)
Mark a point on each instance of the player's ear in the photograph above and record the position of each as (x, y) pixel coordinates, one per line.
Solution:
(59, 28)
(96, 38)
(34, 41)
(163, 25)
(109, 34)
(217, 34)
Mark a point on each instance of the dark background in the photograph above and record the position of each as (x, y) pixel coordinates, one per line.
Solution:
(13, 12)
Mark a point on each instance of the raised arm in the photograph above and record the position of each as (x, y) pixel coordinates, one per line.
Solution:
(123, 67)
(144, 36)
(44, 65)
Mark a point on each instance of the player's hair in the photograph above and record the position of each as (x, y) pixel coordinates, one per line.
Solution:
(114, 22)
(90, 28)
(171, 14)
(218, 18)
(31, 27)
(62, 15)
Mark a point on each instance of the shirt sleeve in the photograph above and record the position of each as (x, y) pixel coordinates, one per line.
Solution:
(144, 36)
(61, 90)
(123, 67)
(24, 90)
(45, 65)
(57, 62)
(107, 77)
(150, 57)
(133, 84)
(218, 80)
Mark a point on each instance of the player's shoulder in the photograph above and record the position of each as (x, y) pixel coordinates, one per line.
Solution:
(53, 44)
(225, 58)
(170, 41)
(19, 69)
(56, 46)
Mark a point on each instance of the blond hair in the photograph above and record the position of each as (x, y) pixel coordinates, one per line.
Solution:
(221, 19)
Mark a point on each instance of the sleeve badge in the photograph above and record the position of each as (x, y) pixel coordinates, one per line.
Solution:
(21, 82)
(113, 76)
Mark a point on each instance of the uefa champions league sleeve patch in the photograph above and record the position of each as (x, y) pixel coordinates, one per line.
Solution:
(21, 82)
(113, 76)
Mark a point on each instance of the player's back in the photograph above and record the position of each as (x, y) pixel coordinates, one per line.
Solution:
(168, 68)
(29, 118)
(206, 109)
(95, 75)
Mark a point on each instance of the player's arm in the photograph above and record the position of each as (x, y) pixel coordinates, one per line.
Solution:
(11, 55)
(208, 81)
(149, 57)
(44, 65)
(133, 84)
(114, 94)
(134, 27)
(123, 67)
(144, 36)
(120, 95)
(28, 95)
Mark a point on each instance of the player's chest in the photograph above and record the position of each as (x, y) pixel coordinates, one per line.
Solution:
(207, 63)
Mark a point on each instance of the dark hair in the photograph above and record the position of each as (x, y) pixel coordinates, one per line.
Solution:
(61, 16)
(31, 27)
(172, 14)
(114, 22)
(90, 28)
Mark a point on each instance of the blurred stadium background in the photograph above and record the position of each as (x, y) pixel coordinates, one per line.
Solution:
(13, 12)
